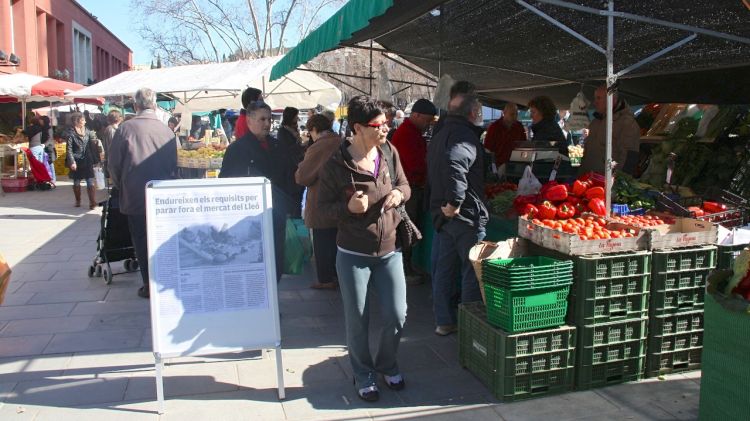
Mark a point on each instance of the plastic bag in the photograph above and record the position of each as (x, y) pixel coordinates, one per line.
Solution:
(297, 247)
(99, 178)
(528, 184)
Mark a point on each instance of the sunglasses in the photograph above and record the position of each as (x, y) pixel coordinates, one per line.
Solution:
(380, 126)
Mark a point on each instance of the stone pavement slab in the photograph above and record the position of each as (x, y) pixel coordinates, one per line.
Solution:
(75, 348)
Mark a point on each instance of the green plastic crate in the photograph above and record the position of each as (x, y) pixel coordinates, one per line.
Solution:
(515, 366)
(610, 353)
(611, 288)
(524, 310)
(727, 254)
(678, 292)
(675, 343)
(678, 280)
(529, 268)
(726, 367)
(680, 260)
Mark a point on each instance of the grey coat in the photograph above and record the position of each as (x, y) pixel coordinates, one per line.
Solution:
(142, 149)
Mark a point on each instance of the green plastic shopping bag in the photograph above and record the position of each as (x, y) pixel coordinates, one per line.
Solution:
(297, 247)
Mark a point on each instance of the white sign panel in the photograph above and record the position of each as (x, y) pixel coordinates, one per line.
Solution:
(211, 266)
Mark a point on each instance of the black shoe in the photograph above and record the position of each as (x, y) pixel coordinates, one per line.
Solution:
(368, 394)
(398, 385)
(143, 292)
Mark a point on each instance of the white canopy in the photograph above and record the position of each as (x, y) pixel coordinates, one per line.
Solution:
(206, 87)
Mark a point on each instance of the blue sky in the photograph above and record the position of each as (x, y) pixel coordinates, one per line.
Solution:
(117, 17)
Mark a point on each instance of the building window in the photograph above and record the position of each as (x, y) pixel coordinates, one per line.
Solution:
(83, 69)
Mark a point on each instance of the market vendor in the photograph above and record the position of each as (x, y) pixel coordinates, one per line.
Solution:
(626, 135)
(544, 128)
(504, 134)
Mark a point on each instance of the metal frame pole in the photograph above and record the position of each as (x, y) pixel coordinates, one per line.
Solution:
(159, 365)
(280, 373)
(370, 74)
(611, 79)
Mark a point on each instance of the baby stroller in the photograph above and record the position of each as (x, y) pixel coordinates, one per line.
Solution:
(114, 242)
(42, 177)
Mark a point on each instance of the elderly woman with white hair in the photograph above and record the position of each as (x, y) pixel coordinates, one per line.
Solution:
(143, 149)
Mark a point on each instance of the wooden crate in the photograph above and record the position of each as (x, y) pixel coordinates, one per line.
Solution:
(685, 232)
(572, 245)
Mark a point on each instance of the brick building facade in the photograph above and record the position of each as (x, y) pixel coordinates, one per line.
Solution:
(58, 35)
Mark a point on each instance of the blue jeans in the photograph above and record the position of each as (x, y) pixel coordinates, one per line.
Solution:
(455, 240)
(357, 276)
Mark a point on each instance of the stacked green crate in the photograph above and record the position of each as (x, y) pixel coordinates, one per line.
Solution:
(515, 366)
(526, 293)
(676, 310)
(610, 308)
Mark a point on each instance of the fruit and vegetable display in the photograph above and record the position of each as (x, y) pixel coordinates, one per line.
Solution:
(205, 157)
(586, 228)
(493, 189)
(644, 221)
(575, 153)
(501, 203)
(627, 191)
(561, 201)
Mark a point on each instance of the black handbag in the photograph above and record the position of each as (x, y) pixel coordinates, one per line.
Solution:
(407, 233)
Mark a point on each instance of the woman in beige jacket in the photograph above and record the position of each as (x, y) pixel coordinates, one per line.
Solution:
(325, 143)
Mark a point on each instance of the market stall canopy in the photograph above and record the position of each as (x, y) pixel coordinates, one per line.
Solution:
(27, 87)
(206, 87)
(512, 50)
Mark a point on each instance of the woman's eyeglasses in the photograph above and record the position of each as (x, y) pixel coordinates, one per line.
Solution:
(379, 126)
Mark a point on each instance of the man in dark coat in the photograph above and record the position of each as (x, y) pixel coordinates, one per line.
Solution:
(257, 154)
(142, 149)
(456, 178)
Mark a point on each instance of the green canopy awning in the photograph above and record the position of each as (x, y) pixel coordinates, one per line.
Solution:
(355, 15)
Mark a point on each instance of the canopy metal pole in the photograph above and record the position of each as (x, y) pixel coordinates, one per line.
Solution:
(370, 74)
(611, 79)
(23, 113)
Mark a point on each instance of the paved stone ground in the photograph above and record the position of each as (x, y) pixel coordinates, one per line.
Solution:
(73, 348)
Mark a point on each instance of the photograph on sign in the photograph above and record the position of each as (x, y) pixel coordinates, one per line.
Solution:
(210, 248)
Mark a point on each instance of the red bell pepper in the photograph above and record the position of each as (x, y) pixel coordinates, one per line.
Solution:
(572, 200)
(565, 211)
(580, 208)
(546, 186)
(520, 202)
(598, 206)
(595, 193)
(580, 187)
(530, 211)
(547, 210)
(556, 193)
(714, 207)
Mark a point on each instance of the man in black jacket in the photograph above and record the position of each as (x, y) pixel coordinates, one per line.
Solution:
(257, 154)
(456, 179)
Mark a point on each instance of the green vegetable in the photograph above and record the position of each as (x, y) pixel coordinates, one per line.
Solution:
(500, 204)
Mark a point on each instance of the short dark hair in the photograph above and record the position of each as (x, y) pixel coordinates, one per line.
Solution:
(290, 113)
(361, 110)
(465, 106)
(545, 106)
(250, 95)
(174, 121)
(318, 122)
(113, 116)
(74, 117)
(255, 106)
(462, 87)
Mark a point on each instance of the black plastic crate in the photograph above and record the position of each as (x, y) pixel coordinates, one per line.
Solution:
(611, 353)
(675, 343)
(515, 366)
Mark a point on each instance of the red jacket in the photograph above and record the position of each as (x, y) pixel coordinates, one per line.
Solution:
(240, 127)
(412, 149)
(501, 140)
